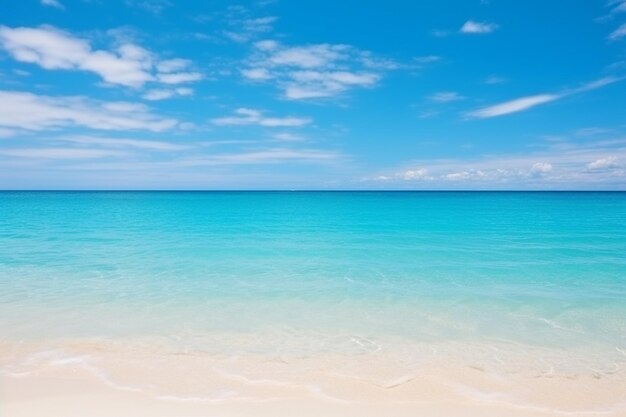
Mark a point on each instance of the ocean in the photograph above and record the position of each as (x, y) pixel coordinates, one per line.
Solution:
(503, 282)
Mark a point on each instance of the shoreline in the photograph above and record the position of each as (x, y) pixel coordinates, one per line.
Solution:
(73, 393)
(120, 380)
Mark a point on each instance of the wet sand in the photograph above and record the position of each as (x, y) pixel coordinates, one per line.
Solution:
(101, 380)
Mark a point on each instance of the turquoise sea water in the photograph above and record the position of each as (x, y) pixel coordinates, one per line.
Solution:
(308, 272)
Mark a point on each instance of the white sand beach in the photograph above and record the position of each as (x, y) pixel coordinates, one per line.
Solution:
(108, 380)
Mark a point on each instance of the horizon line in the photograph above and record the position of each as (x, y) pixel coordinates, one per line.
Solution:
(313, 190)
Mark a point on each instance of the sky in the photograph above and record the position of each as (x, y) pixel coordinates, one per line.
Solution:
(286, 94)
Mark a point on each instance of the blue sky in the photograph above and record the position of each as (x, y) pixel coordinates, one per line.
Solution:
(435, 94)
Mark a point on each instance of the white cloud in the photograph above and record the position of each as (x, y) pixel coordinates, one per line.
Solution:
(603, 164)
(175, 71)
(244, 30)
(267, 45)
(315, 84)
(58, 153)
(244, 116)
(314, 71)
(288, 137)
(54, 49)
(428, 59)
(599, 83)
(458, 174)
(7, 133)
(341, 77)
(259, 24)
(494, 79)
(568, 167)
(525, 103)
(377, 63)
(256, 74)
(184, 91)
(267, 156)
(619, 6)
(618, 33)
(308, 57)
(127, 65)
(428, 114)
(173, 65)
(298, 92)
(179, 77)
(463, 175)
(445, 97)
(438, 33)
(123, 143)
(414, 174)
(152, 6)
(52, 3)
(592, 131)
(34, 112)
(472, 27)
(514, 106)
(236, 37)
(408, 175)
(540, 168)
(162, 94)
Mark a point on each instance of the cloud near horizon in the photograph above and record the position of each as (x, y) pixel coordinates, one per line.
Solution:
(558, 164)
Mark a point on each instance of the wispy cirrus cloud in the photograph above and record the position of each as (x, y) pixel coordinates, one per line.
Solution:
(265, 156)
(494, 79)
(618, 33)
(445, 97)
(244, 116)
(33, 112)
(320, 84)
(314, 71)
(514, 106)
(246, 29)
(152, 6)
(617, 6)
(288, 137)
(236, 23)
(53, 3)
(122, 143)
(528, 102)
(477, 28)
(58, 153)
(7, 133)
(127, 64)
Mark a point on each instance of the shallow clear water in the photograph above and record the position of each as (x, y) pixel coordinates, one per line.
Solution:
(311, 272)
